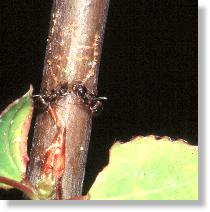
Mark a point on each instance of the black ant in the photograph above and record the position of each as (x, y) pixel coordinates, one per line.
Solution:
(43, 101)
(89, 99)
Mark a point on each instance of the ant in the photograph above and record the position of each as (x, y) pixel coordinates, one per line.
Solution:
(43, 101)
(90, 99)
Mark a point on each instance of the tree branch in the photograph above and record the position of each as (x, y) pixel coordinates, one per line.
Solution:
(73, 54)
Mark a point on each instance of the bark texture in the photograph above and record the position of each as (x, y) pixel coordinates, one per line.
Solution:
(73, 54)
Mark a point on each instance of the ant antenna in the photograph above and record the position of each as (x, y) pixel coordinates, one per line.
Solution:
(103, 98)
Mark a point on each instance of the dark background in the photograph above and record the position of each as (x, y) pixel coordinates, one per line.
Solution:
(148, 69)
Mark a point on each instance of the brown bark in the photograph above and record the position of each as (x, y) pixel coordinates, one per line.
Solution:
(73, 54)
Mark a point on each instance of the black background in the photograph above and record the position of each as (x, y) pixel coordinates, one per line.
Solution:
(148, 69)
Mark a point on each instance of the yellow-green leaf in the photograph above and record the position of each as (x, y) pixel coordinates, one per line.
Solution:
(149, 169)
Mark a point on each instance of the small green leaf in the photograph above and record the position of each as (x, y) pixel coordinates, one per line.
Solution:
(14, 126)
(149, 169)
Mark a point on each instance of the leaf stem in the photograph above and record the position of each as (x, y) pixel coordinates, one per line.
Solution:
(28, 190)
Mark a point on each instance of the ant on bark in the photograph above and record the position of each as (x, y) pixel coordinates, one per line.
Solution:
(91, 100)
(43, 101)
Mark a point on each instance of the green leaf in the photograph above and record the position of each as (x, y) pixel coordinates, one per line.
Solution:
(14, 126)
(149, 169)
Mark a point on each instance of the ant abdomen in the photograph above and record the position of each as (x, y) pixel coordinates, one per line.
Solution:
(96, 107)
